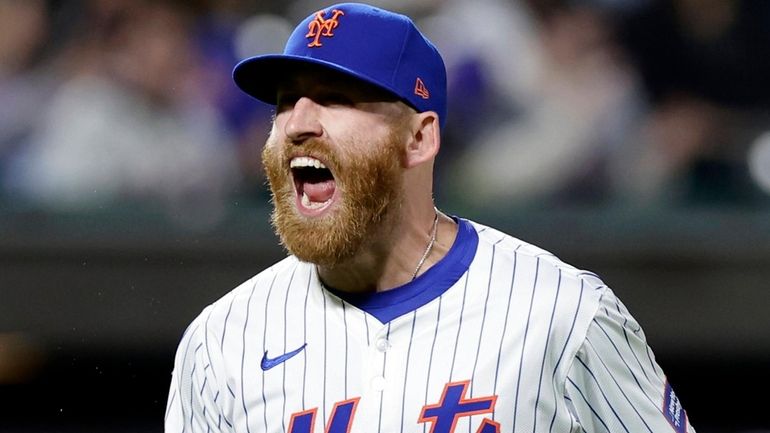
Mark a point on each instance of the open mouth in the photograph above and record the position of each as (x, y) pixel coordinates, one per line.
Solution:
(314, 184)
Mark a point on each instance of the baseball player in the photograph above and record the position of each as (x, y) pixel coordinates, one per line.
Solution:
(388, 315)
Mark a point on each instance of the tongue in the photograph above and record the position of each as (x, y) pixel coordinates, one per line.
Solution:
(319, 192)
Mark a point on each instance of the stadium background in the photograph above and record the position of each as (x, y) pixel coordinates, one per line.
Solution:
(629, 137)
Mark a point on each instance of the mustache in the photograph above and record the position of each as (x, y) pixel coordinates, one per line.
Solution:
(314, 147)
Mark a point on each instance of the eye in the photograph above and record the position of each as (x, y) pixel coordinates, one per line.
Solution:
(285, 101)
(335, 98)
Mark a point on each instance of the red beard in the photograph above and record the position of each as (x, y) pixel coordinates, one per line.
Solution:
(370, 187)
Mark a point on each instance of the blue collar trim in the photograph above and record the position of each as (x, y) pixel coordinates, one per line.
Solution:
(390, 304)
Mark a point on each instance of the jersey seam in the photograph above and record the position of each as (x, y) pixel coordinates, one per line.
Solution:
(562, 383)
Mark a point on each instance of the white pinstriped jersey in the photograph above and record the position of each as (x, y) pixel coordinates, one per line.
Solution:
(498, 336)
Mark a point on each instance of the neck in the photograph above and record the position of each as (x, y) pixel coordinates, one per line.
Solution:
(390, 260)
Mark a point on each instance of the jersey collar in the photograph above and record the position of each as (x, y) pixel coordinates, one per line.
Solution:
(393, 303)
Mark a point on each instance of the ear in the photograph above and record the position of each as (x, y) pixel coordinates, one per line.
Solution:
(425, 139)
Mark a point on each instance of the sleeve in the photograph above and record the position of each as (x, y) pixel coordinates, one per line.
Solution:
(614, 383)
(194, 400)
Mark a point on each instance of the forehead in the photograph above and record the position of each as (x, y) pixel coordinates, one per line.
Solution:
(305, 80)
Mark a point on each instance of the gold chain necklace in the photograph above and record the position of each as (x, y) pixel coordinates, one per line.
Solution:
(430, 245)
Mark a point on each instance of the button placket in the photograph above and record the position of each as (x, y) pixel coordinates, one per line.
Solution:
(377, 352)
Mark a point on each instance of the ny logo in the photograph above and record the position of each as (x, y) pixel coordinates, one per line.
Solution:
(442, 416)
(322, 27)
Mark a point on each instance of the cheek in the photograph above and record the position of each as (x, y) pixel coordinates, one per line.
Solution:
(271, 159)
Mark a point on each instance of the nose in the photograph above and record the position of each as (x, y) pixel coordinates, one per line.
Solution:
(303, 121)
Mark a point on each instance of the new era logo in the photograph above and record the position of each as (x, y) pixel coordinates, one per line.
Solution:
(420, 89)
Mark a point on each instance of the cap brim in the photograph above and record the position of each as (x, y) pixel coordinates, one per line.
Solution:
(260, 76)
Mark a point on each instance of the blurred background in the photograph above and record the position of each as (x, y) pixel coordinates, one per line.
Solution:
(628, 137)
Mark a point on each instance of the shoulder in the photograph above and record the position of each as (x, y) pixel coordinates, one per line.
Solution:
(236, 306)
(565, 297)
(506, 245)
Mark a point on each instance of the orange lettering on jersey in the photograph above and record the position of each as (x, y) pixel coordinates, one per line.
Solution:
(420, 89)
(340, 420)
(453, 405)
(322, 27)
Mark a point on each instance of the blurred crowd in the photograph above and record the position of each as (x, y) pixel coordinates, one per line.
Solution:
(108, 103)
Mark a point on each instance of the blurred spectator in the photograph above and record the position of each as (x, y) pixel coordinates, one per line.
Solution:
(593, 101)
(106, 102)
(560, 106)
(25, 86)
(226, 33)
(704, 64)
(131, 122)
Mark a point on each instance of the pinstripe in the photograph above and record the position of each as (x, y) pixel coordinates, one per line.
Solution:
(505, 323)
(264, 344)
(208, 427)
(564, 348)
(170, 404)
(628, 342)
(459, 327)
(206, 341)
(633, 352)
(483, 317)
(366, 322)
(430, 359)
(625, 363)
(655, 367)
(524, 345)
(323, 407)
(224, 327)
(304, 338)
(545, 353)
(589, 273)
(220, 415)
(192, 392)
(625, 315)
(382, 393)
(571, 420)
(620, 388)
(285, 330)
(184, 362)
(598, 385)
(406, 369)
(596, 415)
(345, 323)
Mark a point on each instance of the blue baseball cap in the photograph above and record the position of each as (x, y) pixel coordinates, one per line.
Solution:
(374, 45)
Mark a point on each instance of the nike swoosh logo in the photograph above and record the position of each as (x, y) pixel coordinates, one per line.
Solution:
(268, 363)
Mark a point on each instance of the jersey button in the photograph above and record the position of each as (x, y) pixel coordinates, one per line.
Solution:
(378, 383)
(382, 345)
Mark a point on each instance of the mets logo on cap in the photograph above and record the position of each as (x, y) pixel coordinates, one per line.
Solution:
(322, 26)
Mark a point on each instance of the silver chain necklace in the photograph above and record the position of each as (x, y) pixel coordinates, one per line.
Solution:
(430, 245)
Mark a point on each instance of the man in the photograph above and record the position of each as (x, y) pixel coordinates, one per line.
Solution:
(390, 316)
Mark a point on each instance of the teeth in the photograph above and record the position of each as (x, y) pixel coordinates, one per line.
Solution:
(312, 205)
(306, 161)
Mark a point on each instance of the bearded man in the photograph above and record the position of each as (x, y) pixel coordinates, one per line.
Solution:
(388, 315)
